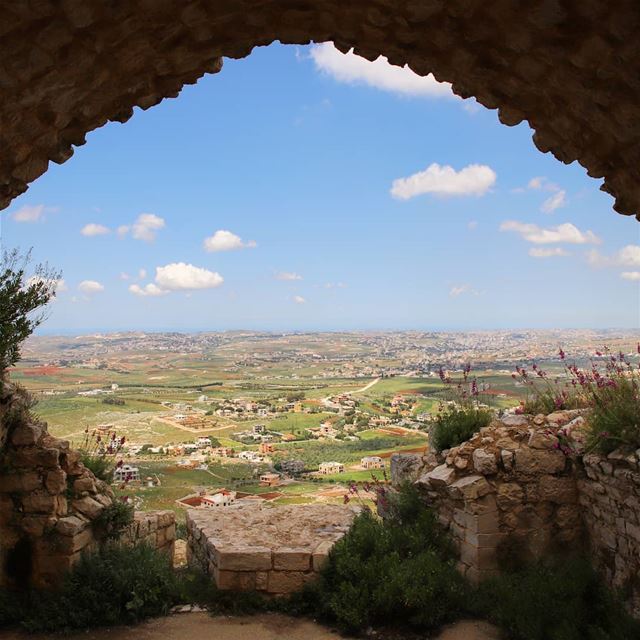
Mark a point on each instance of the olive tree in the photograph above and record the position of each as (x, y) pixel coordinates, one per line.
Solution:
(24, 295)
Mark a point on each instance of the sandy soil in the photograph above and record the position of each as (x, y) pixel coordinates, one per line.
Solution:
(201, 626)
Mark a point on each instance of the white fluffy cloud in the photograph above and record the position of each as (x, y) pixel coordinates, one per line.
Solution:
(150, 289)
(628, 256)
(223, 240)
(473, 180)
(550, 252)
(299, 299)
(458, 290)
(179, 276)
(32, 213)
(630, 275)
(287, 276)
(123, 229)
(90, 286)
(94, 229)
(556, 201)
(146, 226)
(566, 232)
(352, 69)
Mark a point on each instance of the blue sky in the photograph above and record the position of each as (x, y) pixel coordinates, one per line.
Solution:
(349, 196)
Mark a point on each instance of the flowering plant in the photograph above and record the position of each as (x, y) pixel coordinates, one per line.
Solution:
(376, 486)
(98, 452)
(609, 386)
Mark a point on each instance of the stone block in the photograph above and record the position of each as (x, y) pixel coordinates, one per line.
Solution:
(404, 467)
(542, 439)
(509, 495)
(20, 482)
(88, 507)
(235, 580)
(530, 462)
(70, 526)
(56, 481)
(33, 457)
(39, 503)
(286, 581)
(484, 462)
(291, 559)
(243, 559)
(441, 476)
(321, 554)
(84, 483)
(558, 490)
(26, 434)
(470, 487)
(262, 580)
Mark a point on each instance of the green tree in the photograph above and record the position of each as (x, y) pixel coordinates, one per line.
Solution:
(23, 299)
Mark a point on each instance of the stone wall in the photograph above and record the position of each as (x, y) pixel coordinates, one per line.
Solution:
(275, 550)
(609, 494)
(50, 504)
(571, 68)
(155, 528)
(510, 492)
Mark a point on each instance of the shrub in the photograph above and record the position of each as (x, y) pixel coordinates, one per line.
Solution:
(455, 425)
(555, 601)
(114, 519)
(98, 453)
(112, 586)
(395, 572)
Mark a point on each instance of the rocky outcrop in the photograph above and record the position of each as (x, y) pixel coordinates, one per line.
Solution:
(570, 68)
(511, 493)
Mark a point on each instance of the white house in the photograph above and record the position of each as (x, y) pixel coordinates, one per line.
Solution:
(126, 473)
(223, 498)
(372, 462)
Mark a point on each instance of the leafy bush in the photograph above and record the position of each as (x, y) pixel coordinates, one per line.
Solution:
(101, 467)
(455, 425)
(112, 586)
(397, 572)
(555, 601)
(114, 519)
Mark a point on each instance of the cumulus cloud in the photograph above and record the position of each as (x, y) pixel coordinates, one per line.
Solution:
(556, 201)
(458, 290)
(142, 274)
(541, 252)
(349, 68)
(223, 240)
(287, 276)
(150, 289)
(566, 232)
(473, 180)
(299, 299)
(123, 229)
(90, 286)
(32, 213)
(630, 275)
(94, 229)
(628, 256)
(179, 276)
(146, 227)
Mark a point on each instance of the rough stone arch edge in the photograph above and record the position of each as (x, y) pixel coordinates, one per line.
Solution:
(570, 68)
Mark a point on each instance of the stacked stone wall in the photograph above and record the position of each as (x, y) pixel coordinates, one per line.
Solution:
(155, 528)
(511, 490)
(609, 494)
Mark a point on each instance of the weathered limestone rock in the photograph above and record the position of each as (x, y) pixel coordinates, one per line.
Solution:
(484, 462)
(441, 476)
(538, 462)
(88, 507)
(405, 467)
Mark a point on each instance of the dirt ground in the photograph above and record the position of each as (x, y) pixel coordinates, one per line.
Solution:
(201, 626)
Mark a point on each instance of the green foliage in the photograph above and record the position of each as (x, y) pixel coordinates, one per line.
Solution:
(455, 425)
(566, 601)
(101, 466)
(112, 586)
(114, 519)
(20, 299)
(547, 401)
(615, 417)
(399, 572)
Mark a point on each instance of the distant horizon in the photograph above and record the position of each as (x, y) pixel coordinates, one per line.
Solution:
(104, 331)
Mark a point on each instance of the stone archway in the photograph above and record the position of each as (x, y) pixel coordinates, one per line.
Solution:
(571, 68)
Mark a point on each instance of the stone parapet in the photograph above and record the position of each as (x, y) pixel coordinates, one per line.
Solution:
(276, 550)
(155, 528)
